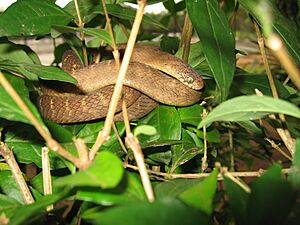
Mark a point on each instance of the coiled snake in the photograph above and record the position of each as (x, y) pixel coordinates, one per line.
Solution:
(153, 76)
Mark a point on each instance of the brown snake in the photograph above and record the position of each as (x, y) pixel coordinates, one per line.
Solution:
(148, 81)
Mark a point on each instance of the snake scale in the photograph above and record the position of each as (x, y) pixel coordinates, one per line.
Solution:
(153, 77)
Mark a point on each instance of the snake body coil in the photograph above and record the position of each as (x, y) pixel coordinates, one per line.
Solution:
(153, 76)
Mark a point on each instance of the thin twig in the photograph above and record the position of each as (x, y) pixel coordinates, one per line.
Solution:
(82, 37)
(276, 147)
(231, 168)
(125, 116)
(119, 84)
(119, 138)
(279, 50)
(55, 146)
(116, 53)
(283, 133)
(261, 45)
(186, 37)
(230, 176)
(17, 173)
(47, 181)
(204, 163)
(83, 153)
(202, 175)
(133, 143)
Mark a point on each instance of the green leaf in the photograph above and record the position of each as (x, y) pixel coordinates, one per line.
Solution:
(190, 147)
(247, 84)
(31, 17)
(9, 187)
(27, 144)
(7, 203)
(269, 17)
(217, 40)
(248, 108)
(173, 188)
(127, 14)
(50, 73)
(161, 212)
(106, 171)
(201, 195)
(9, 109)
(238, 200)
(13, 52)
(89, 132)
(191, 114)
(166, 121)
(169, 44)
(94, 32)
(196, 56)
(27, 214)
(130, 189)
(294, 175)
(271, 199)
(85, 7)
(144, 129)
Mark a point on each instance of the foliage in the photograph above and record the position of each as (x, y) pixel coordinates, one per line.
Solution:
(173, 139)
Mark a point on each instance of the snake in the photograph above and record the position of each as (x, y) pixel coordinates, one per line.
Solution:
(153, 77)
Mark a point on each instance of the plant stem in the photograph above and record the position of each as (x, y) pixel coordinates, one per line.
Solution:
(17, 173)
(47, 182)
(119, 84)
(186, 37)
(204, 158)
(82, 37)
(133, 143)
(44, 133)
(279, 50)
(202, 175)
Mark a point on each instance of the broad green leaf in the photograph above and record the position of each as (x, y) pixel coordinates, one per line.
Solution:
(190, 147)
(32, 71)
(166, 121)
(217, 40)
(197, 58)
(201, 195)
(106, 171)
(89, 132)
(27, 144)
(238, 201)
(191, 114)
(250, 126)
(9, 187)
(13, 52)
(248, 108)
(9, 109)
(173, 188)
(294, 175)
(127, 14)
(144, 129)
(160, 212)
(7, 203)
(130, 189)
(27, 214)
(50, 73)
(269, 17)
(271, 198)
(85, 7)
(169, 44)
(247, 84)
(94, 32)
(158, 156)
(31, 17)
